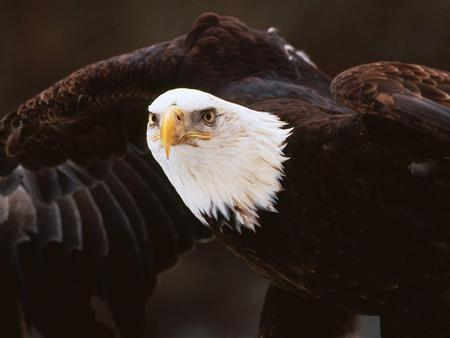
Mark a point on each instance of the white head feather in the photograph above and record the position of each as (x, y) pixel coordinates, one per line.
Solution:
(237, 170)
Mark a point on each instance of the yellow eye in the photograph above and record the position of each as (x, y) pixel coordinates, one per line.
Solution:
(152, 119)
(209, 116)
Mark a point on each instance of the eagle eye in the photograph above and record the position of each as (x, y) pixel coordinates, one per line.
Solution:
(152, 119)
(208, 116)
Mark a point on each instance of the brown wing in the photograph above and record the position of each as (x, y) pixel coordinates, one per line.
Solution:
(406, 110)
(101, 100)
(416, 96)
(84, 209)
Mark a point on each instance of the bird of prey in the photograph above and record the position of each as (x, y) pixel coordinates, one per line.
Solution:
(336, 191)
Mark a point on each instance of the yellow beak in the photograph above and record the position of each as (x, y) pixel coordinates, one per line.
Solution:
(172, 120)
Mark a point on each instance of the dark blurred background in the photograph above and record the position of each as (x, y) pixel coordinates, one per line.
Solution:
(210, 294)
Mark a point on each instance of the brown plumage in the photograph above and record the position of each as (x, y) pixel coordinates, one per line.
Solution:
(363, 222)
(417, 95)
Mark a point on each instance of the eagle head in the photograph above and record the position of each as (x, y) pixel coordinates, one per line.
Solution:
(224, 160)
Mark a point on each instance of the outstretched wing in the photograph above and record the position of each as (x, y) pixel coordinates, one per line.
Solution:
(84, 208)
(406, 110)
(413, 95)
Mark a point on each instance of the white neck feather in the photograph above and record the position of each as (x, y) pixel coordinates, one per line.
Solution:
(239, 170)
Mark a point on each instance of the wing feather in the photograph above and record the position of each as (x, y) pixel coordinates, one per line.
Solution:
(416, 96)
(94, 238)
(131, 210)
(161, 188)
(49, 227)
(42, 184)
(21, 219)
(71, 224)
(9, 183)
(162, 234)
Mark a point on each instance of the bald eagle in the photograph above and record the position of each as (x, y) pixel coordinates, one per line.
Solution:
(337, 192)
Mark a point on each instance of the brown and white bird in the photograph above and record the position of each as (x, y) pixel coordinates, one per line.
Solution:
(337, 192)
